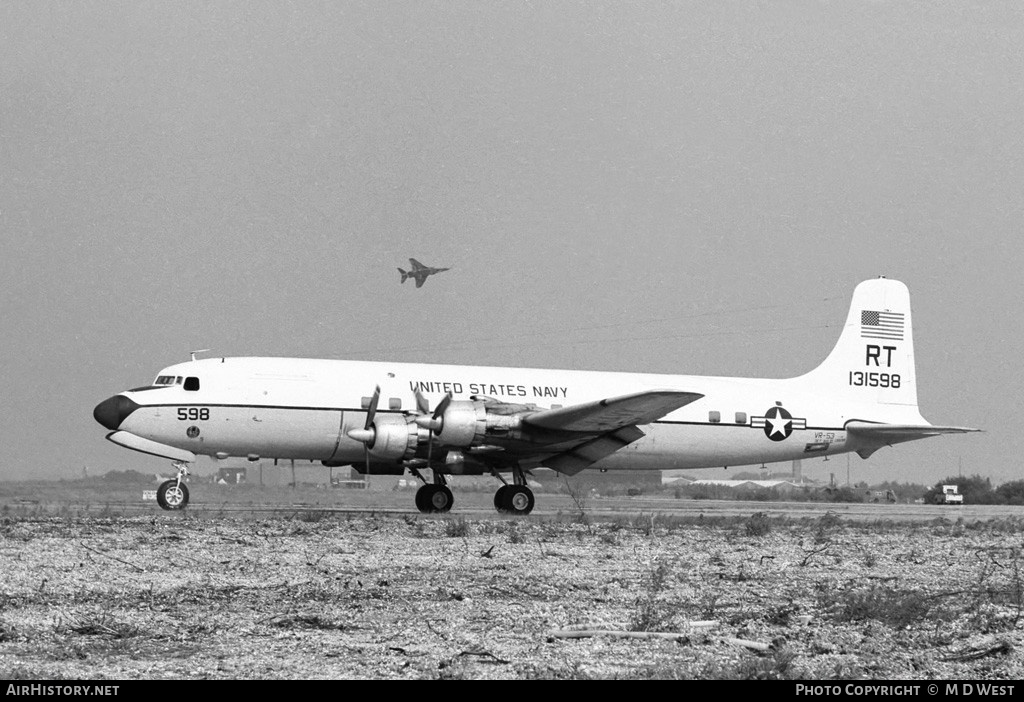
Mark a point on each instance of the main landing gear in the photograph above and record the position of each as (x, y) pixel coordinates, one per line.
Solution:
(173, 494)
(433, 497)
(516, 498)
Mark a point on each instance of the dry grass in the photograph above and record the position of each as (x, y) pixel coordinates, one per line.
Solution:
(422, 597)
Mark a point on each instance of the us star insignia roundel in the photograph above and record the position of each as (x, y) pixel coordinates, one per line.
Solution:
(778, 423)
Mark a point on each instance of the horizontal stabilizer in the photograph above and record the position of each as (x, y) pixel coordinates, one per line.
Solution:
(911, 431)
(875, 436)
(607, 415)
(137, 443)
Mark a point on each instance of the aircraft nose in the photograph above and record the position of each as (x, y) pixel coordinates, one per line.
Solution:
(112, 411)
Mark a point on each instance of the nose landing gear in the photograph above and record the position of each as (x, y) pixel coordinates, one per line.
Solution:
(173, 494)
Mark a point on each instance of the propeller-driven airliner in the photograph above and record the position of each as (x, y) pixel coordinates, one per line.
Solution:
(443, 420)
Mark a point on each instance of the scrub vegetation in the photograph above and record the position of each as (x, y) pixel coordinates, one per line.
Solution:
(318, 594)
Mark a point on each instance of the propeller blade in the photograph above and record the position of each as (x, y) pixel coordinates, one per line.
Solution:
(422, 406)
(435, 421)
(373, 408)
(432, 422)
(367, 434)
(442, 406)
(430, 447)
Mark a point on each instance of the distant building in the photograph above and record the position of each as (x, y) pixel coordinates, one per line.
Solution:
(232, 475)
(599, 480)
(282, 473)
(782, 486)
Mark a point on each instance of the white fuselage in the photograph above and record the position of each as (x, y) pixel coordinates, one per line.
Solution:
(304, 408)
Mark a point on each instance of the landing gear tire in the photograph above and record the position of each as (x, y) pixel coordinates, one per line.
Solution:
(499, 497)
(434, 499)
(172, 495)
(515, 499)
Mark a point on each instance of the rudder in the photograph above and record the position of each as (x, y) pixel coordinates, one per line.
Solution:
(873, 361)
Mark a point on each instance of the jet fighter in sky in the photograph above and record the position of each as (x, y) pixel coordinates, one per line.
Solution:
(419, 272)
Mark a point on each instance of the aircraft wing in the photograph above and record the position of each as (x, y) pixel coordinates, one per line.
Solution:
(416, 265)
(878, 435)
(614, 421)
(607, 415)
(420, 281)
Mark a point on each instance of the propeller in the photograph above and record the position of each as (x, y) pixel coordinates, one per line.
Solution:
(367, 433)
(433, 423)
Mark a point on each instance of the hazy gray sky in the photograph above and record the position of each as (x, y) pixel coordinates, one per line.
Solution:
(666, 187)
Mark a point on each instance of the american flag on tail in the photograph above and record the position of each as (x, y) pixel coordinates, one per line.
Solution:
(881, 325)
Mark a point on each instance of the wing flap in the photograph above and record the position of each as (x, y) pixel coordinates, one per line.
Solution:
(613, 413)
(579, 457)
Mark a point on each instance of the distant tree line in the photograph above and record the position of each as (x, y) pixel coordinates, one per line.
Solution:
(979, 491)
(133, 477)
(803, 494)
(975, 489)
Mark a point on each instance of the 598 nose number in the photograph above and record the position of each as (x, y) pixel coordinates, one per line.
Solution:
(193, 413)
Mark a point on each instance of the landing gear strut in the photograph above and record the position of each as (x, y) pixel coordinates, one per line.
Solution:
(516, 498)
(173, 494)
(434, 497)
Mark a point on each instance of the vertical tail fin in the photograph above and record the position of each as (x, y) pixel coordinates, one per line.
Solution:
(404, 275)
(873, 361)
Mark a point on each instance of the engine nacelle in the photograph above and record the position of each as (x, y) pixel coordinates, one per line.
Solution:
(394, 437)
(464, 423)
(471, 423)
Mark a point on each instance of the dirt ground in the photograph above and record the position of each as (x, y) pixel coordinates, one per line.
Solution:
(322, 595)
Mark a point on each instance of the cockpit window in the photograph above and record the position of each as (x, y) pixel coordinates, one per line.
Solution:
(191, 383)
(165, 380)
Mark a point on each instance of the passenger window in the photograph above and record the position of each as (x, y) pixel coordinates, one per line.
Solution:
(741, 417)
(714, 417)
(394, 403)
(192, 383)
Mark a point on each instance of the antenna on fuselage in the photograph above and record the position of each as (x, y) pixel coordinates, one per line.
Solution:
(193, 353)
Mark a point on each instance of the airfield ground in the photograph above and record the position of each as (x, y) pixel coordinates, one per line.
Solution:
(315, 593)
